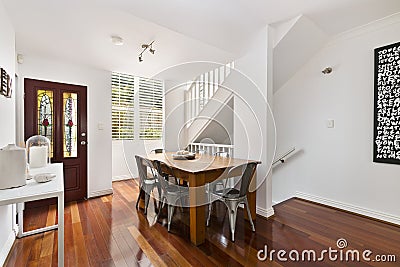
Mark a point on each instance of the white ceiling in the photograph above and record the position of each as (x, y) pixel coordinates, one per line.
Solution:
(183, 30)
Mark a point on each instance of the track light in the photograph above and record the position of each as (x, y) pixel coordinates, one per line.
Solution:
(145, 47)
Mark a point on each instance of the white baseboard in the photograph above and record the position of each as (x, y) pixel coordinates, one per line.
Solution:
(7, 248)
(100, 193)
(351, 208)
(121, 178)
(265, 212)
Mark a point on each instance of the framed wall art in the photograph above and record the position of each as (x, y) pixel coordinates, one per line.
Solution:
(387, 104)
(5, 83)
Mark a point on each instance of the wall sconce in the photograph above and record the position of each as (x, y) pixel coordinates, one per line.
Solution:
(327, 70)
(145, 47)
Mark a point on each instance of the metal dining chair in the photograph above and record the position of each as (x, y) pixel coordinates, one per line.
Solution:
(147, 180)
(170, 193)
(218, 183)
(233, 196)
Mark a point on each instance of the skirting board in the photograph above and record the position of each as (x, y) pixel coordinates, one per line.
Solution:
(266, 213)
(100, 193)
(121, 178)
(6, 248)
(351, 208)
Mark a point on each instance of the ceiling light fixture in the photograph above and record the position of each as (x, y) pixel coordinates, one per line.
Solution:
(145, 47)
(117, 40)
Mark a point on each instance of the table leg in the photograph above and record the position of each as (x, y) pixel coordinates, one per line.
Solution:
(61, 230)
(20, 214)
(251, 198)
(197, 208)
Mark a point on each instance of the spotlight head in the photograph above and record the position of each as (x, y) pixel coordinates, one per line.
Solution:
(152, 50)
(145, 45)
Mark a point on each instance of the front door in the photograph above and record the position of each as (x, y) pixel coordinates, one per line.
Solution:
(58, 111)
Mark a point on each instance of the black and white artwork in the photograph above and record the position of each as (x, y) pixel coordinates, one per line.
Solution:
(5, 83)
(387, 104)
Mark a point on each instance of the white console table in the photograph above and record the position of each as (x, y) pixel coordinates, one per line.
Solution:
(36, 191)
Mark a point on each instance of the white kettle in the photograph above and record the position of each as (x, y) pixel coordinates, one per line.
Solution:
(12, 167)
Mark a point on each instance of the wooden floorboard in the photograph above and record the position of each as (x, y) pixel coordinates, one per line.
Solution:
(109, 231)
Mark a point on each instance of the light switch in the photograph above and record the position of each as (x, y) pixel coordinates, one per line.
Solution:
(330, 123)
(100, 126)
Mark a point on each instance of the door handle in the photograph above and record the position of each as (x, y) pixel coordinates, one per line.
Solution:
(83, 143)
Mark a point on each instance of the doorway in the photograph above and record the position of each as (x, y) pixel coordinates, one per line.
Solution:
(59, 112)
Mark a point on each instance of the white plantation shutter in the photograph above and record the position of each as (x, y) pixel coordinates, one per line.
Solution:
(150, 108)
(122, 106)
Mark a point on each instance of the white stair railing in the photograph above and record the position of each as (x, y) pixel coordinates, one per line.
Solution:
(203, 88)
(210, 149)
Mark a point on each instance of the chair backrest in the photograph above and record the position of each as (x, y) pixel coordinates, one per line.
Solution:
(222, 154)
(245, 173)
(157, 150)
(162, 175)
(142, 165)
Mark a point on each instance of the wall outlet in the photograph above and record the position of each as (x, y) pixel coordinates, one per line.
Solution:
(330, 123)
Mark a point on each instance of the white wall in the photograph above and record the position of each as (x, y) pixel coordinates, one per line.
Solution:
(252, 124)
(98, 84)
(7, 132)
(335, 165)
(123, 156)
(174, 115)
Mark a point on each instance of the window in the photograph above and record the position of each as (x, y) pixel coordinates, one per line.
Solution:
(137, 107)
(150, 108)
(123, 96)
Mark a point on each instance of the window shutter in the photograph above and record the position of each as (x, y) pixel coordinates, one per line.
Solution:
(151, 93)
(122, 106)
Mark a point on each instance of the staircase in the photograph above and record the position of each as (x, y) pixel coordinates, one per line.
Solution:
(205, 99)
(209, 104)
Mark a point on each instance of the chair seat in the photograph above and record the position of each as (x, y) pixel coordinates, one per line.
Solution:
(227, 193)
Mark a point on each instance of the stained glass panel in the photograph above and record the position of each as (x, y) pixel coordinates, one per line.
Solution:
(45, 116)
(70, 101)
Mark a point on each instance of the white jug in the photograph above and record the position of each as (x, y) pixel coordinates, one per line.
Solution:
(12, 166)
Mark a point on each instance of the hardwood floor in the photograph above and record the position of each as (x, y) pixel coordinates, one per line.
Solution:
(109, 231)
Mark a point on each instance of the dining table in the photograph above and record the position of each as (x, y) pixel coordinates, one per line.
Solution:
(197, 172)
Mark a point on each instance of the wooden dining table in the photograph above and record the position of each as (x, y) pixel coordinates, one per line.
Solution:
(197, 173)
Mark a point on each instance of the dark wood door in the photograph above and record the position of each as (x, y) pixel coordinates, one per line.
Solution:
(58, 111)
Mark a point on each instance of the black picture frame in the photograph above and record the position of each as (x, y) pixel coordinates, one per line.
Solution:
(387, 104)
(5, 83)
